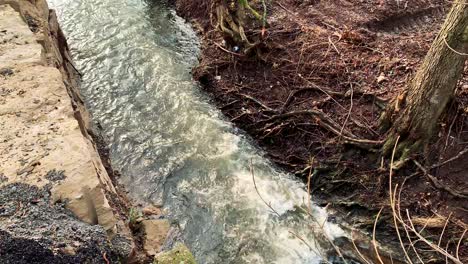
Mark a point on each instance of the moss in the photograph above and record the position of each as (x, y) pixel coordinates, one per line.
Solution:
(179, 255)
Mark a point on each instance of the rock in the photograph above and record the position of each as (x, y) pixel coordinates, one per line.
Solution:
(64, 153)
(154, 235)
(179, 255)
(6, 72)
(69, 250)
(151, 210)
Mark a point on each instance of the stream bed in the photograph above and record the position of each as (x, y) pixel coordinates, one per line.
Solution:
(174, 148)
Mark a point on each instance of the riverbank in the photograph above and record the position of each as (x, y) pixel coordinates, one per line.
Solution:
(61, 200)
(311, 90)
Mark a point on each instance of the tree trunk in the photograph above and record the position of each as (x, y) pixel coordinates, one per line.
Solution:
(432, 87)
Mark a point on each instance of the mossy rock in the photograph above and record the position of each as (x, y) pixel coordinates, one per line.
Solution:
(179, 255)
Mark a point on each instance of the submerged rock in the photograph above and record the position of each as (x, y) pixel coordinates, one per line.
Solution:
(179, 255)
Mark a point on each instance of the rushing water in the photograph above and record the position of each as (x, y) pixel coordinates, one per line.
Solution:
(172, 146)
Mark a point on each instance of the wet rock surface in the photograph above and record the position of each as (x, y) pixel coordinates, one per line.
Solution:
(180, 254)
(155, 233)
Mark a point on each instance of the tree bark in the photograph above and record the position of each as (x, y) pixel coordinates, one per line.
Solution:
(432, 87)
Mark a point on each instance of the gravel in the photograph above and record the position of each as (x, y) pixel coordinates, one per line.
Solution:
(32, 230)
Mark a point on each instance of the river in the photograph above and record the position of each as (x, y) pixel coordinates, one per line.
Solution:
(173, 147)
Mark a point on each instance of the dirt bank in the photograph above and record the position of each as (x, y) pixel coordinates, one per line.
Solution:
(311, 91)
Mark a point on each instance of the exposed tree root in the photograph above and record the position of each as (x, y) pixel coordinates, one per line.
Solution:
(404, 149)
(379, 101)
(326, 122)
(233, 19)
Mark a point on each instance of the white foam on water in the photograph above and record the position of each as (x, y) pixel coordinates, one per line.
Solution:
(174, 148)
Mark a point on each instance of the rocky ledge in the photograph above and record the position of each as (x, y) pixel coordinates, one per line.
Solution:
(58, 203)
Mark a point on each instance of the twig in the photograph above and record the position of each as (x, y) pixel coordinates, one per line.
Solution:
(313, 85)
(392, 201)
(443, 230)
(452, 49)
(309, 204)
(359, 253)
(229, 104)
(329, 93)
(460, 154)
(303, 240)
(459, 243)
(349, 112)
(309, 246)
(329, 124)
(437, 184)
(374, 242)
(430, 244)
(256, 189)
(273, 210)
(333, 44)
(73, 66)
(284, 8)
(321, 225)
(406, 229)
(450, 129)
(446, 249)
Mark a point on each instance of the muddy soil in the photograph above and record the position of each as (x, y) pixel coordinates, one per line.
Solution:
(311, 94)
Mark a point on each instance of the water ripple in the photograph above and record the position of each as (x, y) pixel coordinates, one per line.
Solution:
(173, 147)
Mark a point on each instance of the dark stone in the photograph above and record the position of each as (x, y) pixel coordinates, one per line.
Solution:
(32, 23)
(6, 72)
(32, 232)
(3, 178)
(54, 175)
